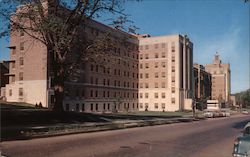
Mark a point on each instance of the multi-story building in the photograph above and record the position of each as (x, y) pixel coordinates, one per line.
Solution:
(103, 86)
(221, 79)
(4, 70)
(202, 82)
(165, 73)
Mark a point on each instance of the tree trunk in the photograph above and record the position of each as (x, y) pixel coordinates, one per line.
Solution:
(59, 94)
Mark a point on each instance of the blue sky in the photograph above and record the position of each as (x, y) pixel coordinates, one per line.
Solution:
(212, 25)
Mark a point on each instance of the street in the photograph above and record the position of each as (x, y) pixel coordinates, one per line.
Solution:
(207, 138)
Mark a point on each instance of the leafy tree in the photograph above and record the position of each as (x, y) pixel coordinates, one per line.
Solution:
(58, 24)
(243, 98)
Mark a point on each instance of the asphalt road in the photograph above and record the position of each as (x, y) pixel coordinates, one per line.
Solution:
(209, 138)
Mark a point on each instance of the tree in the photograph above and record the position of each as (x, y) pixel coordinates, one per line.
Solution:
(58, 24)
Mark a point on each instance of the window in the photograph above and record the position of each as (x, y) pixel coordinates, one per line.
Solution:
(77, 108)
(141, 105)
(22, 46)
(146, 75)
(20, 91)
(173, 58)
(173, 89)
(96, 81)
(156, 64)
(146, 47)
(13, 65)
(141, 95)
(12, 78)
(146, 95)
(141, 85)
(163, 64)
(156, 95)
(146, 56)
(91, 93)
(173, 69)
(14, 51)
(156, 46)
(67, 107)
(163, 74)
(156, 55)
(104, 82)
(156, 85)
(146, 85)
(21, 76)
(83, 107)
(108, 106)
(21, 60)
(96, 107)
(163, 45)
(96, 93)
(163, 85)
(163, 95)
(156, 75)
(146, 65)
(10, 92)
(91, 107)
(156, 105)
(173, 100)
(141, 66)
(173, 79)
(141, 56)
(163, 55)
(104, 106)
(141, 75)
(163, 106)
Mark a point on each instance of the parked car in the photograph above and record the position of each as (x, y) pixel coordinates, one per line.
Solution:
(242, 143)
(208, 114)
(216, 114)
(226, 113)
(245, 112)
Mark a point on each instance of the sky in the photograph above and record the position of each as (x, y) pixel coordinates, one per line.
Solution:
(212, 25)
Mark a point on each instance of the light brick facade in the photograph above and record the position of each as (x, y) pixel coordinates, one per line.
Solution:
(165, 73)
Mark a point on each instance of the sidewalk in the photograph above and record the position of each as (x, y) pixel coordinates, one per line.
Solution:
(28, 132)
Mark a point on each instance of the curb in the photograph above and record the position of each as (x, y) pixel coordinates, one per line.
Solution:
(49, 131)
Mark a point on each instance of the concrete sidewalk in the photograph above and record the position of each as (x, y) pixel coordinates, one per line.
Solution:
(28, 132)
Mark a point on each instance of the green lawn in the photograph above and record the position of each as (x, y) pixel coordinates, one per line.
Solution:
(21, 114)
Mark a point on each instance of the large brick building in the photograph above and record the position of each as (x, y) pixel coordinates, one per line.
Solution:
(101, 87)
(161, 71)
(202, 83)
(221, 79)
(165, 73)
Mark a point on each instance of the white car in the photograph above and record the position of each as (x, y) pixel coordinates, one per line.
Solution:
(208, 114)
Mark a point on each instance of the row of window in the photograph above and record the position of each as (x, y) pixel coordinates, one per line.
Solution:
(156, 55)
(116, 83)
(117, 72)
(156, 95)
(105, 107)
(156, 65)
(107, 94)
(156, 75)
(156, 105)
(20, 92)
(156, 46)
